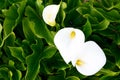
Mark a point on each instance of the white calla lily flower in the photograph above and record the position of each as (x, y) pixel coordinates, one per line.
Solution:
(66, 40)
(90, 59)
(49, 14)
(87, 57)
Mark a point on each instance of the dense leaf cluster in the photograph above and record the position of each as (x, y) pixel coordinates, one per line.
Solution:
(27, 51)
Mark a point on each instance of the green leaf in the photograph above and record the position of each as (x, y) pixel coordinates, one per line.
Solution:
(115, 51)
(39, 6)
(73, 72)
(112, 15)
(87, 28)
(102, 25)
(109, 72)
(72, 4)
(26, 47)
(107, 3)
(38, 26)
(61, 14)
(117, 5)
(106, 77)
(85, 9)
(38, 78)
(117, 39)
(16, 74)
(59, 76)
(11, 20)
(58, 63)
(27, 29)
(31, 3)
(33, 66)
(5, 73)
(33, 61)
(48, 52)
(20, 66)
(18, 53)
(108, 33)
(8, 41)
(72, 78)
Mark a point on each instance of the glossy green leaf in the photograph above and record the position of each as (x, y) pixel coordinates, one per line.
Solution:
(58, 63)
(38, 78)
(33, 61)
(61, 15)
(26, 47)
(117, 39)
(18, 53)
(106, 78)
(108, 33)
(110, 77)
(39, 27)
(107, 3)
(20, 66)
(8, 41)
(73, 72)
(5, 73)
(11, 20)
(115, 51)
(72, 4)
(87, 28)
(27, 29)
(117, 5)
(107, 72)
(112, 15)
(58, 76)
(32, 67)
(102, 25)
(85, 9)
(39, 6)
(16, 74)
(48, 52)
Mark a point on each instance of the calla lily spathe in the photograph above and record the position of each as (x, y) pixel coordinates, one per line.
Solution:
(49, 14)
(87, 57)
(65, 39)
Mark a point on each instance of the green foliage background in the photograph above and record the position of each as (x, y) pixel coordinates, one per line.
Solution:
(27, 51)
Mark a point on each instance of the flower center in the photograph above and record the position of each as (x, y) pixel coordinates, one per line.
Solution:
(72, 34)
(79, 62)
